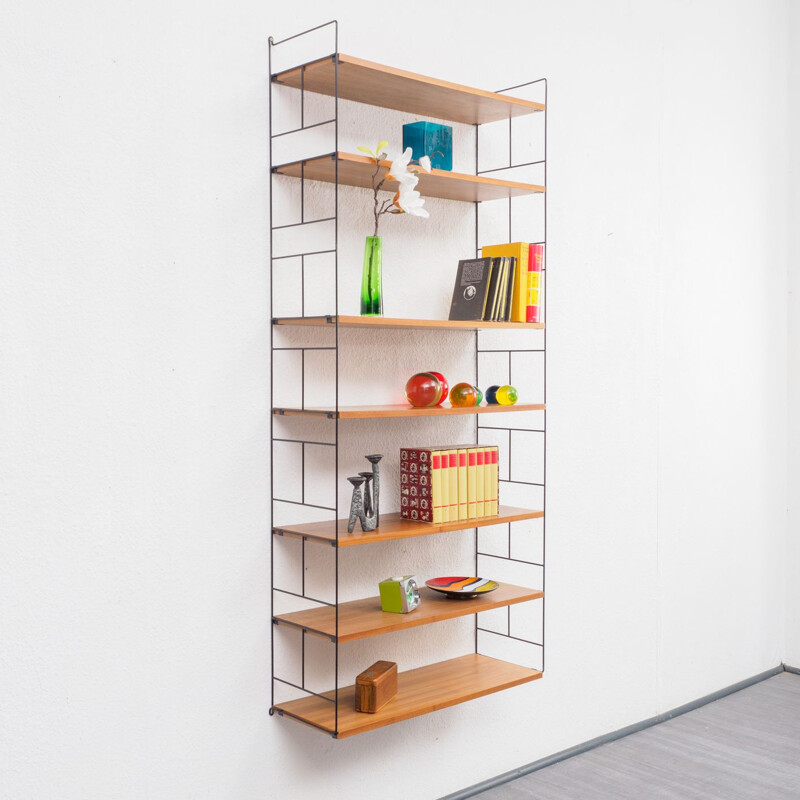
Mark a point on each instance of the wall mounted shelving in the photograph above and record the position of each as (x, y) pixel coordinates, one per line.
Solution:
(348, 169)
(419, 691)
(455, 680)
(403, 410)
(377, 85)
(392, 527)
(359, 619)
(344, 321)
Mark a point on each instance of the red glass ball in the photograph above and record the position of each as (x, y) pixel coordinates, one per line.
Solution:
(445, 387)
(424, 390)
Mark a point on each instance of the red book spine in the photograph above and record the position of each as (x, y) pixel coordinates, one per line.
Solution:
(534, 288)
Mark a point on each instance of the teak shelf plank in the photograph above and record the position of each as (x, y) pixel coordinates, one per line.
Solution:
(355, 170)
(419, 691)
(392, 527)
(378, 85)
(402, 410)
(360, 619)
(346, 321)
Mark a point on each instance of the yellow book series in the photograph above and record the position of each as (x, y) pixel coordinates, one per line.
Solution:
(452, 499)
(488, 492)
(436, 486)
(520, 251)
(445, 485)
(472, 481)
(462, 484)
(494, 486)
(480, 482)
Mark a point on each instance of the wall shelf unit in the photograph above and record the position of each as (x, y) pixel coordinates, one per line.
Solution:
(404, 410)
(377, 85)
(392, 527)
(344, 321)
(360, 619)
(419, 691)
(348, 169)
(448, 682)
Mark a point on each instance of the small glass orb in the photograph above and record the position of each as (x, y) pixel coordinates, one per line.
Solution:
(507, 395)
(463, 395)
(445, 387)
(424, 390)
(491, 395)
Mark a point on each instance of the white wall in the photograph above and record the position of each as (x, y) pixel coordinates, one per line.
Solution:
(134, 342)
(792, 652)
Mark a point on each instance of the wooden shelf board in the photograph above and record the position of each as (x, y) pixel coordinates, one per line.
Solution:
(419, 691)
(392, 527)
(402, 410)
(378, 85)
(355, 170)
(360, 619)
(346, 321)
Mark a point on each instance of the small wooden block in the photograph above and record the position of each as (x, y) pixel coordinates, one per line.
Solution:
(376, 686)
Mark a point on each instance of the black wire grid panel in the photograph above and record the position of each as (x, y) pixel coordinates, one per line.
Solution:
(333, 417)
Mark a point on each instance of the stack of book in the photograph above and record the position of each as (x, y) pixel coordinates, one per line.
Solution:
(447, 484)
(503, 286)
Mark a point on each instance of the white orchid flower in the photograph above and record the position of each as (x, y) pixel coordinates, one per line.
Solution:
(399, 170)
(410, 201)
(407, 200)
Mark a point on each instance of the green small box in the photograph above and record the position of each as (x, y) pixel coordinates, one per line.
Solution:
(399, 595)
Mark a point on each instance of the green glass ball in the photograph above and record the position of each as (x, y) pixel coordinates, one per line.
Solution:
(480, 396)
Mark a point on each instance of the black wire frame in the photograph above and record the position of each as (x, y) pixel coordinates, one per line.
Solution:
(335, 416)
(304, 443)
(510, 429)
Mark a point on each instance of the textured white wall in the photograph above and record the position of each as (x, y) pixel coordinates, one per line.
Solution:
(134, 342)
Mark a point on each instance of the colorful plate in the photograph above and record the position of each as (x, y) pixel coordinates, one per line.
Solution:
(462, 587)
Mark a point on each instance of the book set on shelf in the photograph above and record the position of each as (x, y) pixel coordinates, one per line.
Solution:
(503, 286)
(447, 484)
(464, 485)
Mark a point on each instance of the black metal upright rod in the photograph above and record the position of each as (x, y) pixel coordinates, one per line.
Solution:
(543, 306)
(477, 366)
(336, 297)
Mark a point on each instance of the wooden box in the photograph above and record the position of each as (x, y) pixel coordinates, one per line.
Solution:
(376, 686)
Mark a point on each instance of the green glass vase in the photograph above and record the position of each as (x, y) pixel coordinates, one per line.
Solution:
(371, 287)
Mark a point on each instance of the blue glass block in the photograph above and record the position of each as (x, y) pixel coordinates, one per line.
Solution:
(430, 139)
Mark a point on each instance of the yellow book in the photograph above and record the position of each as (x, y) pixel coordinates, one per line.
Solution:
(495, 483)
(520, 251)
(445, 485)
(436, 486)
(452, 498)
(462, 484)
(472, 481)
(480, 482)
(488, 494)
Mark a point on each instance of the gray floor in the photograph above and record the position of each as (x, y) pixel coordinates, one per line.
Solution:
(744, 746)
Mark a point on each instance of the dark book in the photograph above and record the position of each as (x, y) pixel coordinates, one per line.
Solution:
(470, 292)
(512, 268)
(494, 285)
(502, 290)
(498, 303)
